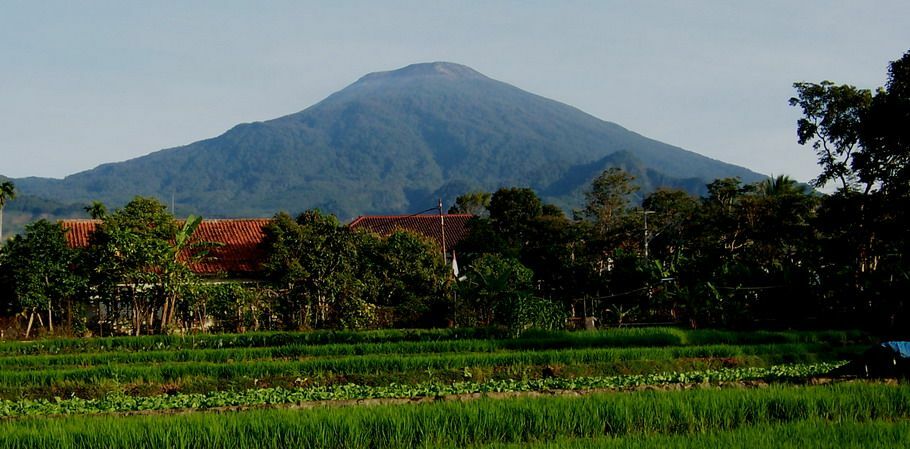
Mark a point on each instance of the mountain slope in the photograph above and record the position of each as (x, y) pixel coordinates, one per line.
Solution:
(386, 144)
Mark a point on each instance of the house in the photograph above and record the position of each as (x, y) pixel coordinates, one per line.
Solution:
(238, 254)
(446, 230)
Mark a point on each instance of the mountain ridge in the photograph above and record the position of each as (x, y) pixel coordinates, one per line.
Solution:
(381, 145)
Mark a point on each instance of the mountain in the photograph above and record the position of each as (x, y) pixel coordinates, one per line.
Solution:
(390, 143)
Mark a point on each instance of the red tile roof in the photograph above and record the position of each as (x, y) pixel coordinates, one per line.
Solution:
(240, 253)
(456, 228)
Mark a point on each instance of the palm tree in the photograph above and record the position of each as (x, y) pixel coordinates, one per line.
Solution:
(7, 192)
(781, 185)
(97, 210)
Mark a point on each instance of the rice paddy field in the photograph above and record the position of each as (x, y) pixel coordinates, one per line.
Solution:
(449, 388)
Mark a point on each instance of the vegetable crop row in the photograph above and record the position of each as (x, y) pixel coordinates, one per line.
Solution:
(275, 396)
(470, 423)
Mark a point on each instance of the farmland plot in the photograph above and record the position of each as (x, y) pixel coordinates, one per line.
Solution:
(405, 388)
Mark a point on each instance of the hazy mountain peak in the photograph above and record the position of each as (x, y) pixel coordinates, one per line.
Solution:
(393, 142)
(439, 69)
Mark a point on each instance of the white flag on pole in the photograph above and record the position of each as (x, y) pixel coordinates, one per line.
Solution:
(454, 265)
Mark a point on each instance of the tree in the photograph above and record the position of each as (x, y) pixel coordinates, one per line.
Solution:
(607, 202)
(507, 228)
(498, 290)
(511, 208)
(779, 186)
(176, 274)
(7, 192)
(673, 211)
(39, 265)
(405, 274)
(863, 139)
(474, 203)
(831, 122)
(859, 138)
(135, 254)
(885, 134)
(315, 259)
(97, 210)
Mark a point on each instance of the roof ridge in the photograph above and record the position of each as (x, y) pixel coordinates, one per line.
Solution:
(233, 219)
(413, 216)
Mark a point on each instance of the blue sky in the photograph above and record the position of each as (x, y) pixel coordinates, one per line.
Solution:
(84, 83)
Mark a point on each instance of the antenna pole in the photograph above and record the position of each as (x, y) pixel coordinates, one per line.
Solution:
(442, 227)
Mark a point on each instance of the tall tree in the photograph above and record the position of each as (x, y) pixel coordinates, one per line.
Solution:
(133, 257)
(7, 192)
(863, 139)
(405, 275)
(177, 273)
(831, 122)
(607, 202)
(510, 208)
(97, 210)
(673, 211)
(40, 267)
(885, 133)
(315, 258)
(498, 290)
(507, 229)
(474, 203)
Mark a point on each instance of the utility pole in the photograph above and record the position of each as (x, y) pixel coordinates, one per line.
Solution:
(442, 228)
(646, 239)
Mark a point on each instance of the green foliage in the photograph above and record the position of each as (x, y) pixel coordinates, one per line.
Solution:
(803, 434)
(607, 203)
(691, 414)
(389, 338)
(500, 291)
(511, 207)
(474, 203)
(228, 306)
(334, 277)
(7, 192)
(38, 269)
(407, 275)
(831, 120)
(150, 365)
(135, 266)
(885, 159)
(317, 260)
(276, 396)
(863, 139)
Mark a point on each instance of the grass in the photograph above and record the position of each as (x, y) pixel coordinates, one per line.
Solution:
(147, 366)
(165, 373)
(622, 337)
(807, 434)
(474, 349)
(699, 413)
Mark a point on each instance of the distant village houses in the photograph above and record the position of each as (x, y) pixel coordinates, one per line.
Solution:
(239, 254)
(445, 230)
